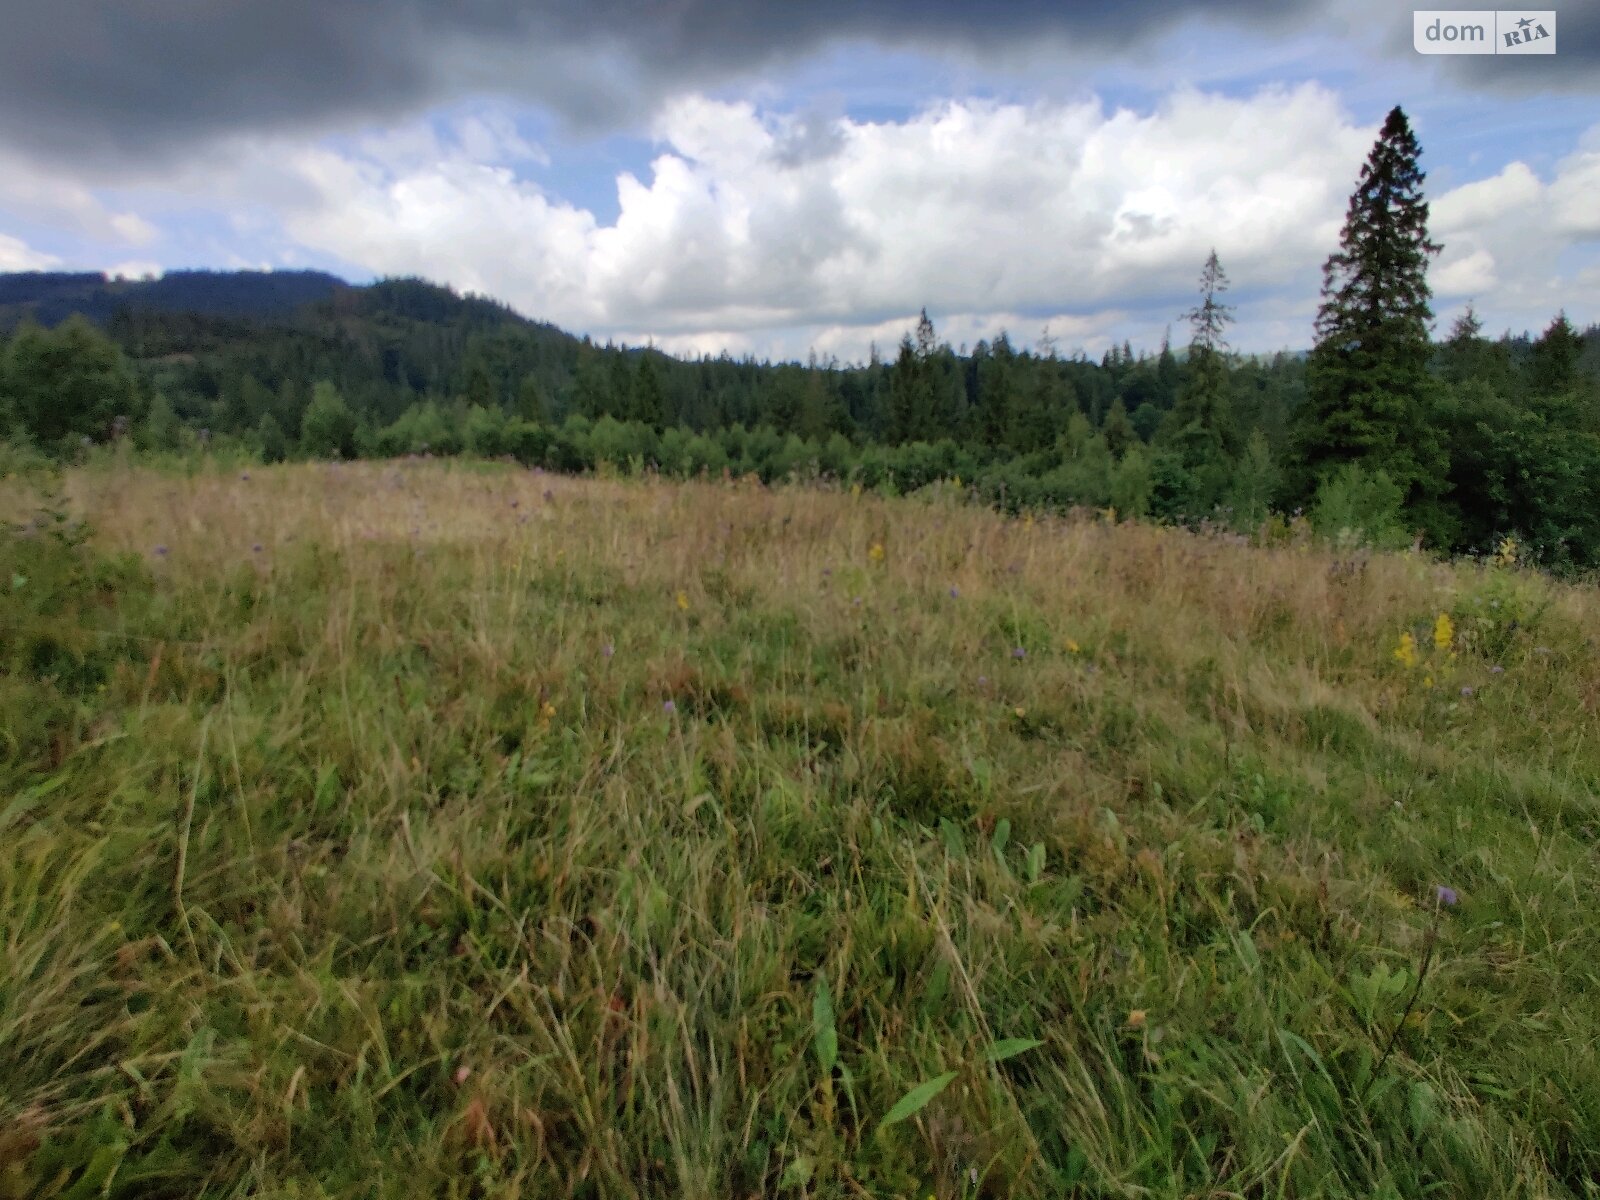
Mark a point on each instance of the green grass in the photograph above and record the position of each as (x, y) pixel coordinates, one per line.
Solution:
(436, 848)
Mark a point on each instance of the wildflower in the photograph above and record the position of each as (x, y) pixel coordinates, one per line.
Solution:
(876, 553)
(1136, 1019)
(547, 711)
(1445, 895)
(983, 681)
(256, 549)
(955, 593)
(607, 650)
(160, 551)
(1406, 652)
(683, 602)
(1427, 681)
(1020, 712)
(1542, 650)
(245, 476)
(1497, 669)
(1506, 555)
(669, 707)
(462, 1074)
(1467, 692)
(1019, 652)
(1072, 646)
(1444, 632)
(855, 489)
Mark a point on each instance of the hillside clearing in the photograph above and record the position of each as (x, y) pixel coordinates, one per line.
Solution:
(438, 829)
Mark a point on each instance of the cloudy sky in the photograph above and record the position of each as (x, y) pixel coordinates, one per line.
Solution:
(776, 176)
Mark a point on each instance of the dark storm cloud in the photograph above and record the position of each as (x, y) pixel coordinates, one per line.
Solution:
(1574, 68)
(117, 81)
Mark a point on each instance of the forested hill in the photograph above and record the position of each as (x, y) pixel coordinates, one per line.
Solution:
(305, 365)
(49, 298)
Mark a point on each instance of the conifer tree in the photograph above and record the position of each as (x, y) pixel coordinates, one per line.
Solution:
(649, 402)
(531, 404)
(911, 385)
(994, 393)
(1367, 379)
(1118, 430)
(1553, 365)
(1202, 419)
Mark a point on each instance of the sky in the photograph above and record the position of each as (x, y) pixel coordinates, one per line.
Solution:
(780, 179)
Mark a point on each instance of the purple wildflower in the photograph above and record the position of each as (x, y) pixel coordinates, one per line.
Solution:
(1019, 652)
(1497, 669)
(256, 549)
(955, 593)
(669, 708)
(983, 681)
(1445, 895)
(245, 475)
(160, 551)
(1467, 692)
(607, 650)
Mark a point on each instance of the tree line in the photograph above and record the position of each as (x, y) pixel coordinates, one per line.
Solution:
(1381, 432)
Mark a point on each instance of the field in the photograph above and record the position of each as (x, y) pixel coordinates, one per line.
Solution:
(412, 829)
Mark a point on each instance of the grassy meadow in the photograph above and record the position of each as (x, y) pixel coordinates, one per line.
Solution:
(424, 829)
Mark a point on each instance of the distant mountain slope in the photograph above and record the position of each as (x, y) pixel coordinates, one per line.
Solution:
(51, 297)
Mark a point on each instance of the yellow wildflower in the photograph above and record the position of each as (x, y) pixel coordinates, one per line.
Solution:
(1506, 556)
(1020, 711)
(1136, 1019)
(855, 489)
(1072, 646)
(548, 711)
(876, 553)
(1427, 681)
(1444, 632)
(1406, 652)
(683, 601)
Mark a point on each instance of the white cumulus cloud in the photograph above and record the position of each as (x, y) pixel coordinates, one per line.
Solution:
(16, 255)
(749, 223)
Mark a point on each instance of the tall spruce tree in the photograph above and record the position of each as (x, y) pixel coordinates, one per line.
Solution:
(1368, 389)
(649, 400)
(911, 386)
(1202, 419)
(1200, 428)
